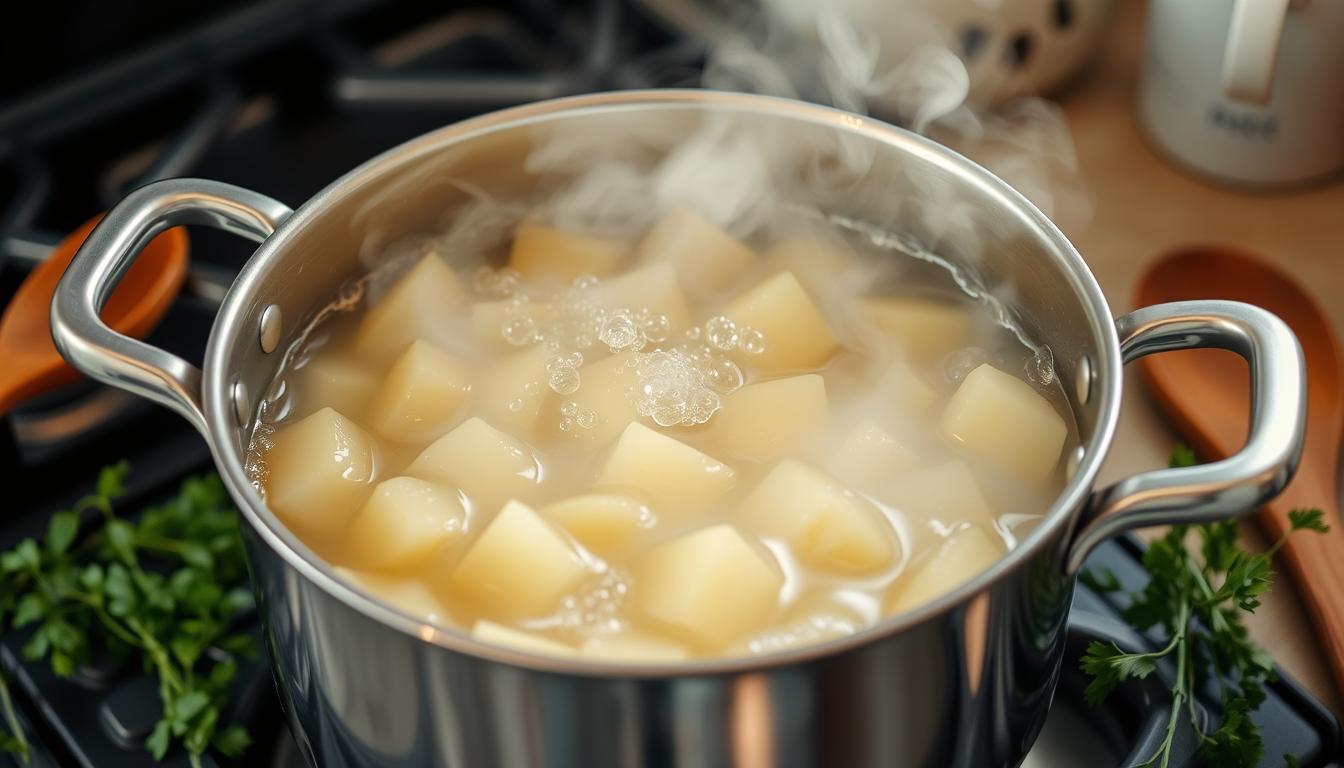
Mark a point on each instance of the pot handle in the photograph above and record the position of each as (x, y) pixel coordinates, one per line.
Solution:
(88, 344)
(1233, 486)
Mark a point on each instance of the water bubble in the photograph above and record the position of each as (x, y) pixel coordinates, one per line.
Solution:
(655, 327)
(721, 332)
(520, 331)
(586, 418)
(693, 333)
(584, 282)
(1041, 368)
(566, 423)
(531, 388)
(564, 380)
(751, 341)
(619, 331)
(723, 374)
(569, 408)
(507, 282)
(515, 405)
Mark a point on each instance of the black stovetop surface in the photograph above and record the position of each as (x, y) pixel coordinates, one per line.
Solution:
(283, 96)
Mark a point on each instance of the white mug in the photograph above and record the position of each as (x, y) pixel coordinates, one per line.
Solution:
(1247, 91)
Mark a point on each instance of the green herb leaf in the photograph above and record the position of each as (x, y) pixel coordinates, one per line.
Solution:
(61, 531)
(1182, 456)
(1308, 520)
(1199, 603)
(1101, 580)
(163, 589)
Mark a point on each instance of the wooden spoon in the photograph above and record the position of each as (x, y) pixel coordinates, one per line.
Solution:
(31, 363)
(1206, 396)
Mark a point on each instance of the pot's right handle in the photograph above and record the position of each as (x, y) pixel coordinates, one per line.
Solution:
(1233, 486)
(92, 347)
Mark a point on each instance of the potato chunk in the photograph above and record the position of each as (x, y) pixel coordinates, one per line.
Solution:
(633, 647)
(960, 558)
(335, 380)
(945, 494)
(520, 565)
(797, 336)
(710, 586)
(488, 319)
(517, 640)
(542, 252)
(925, 328)
(869, 455)
(604, 523)
(404, 522)
(423, 304)
(407, 595)
(421, 395)
(512, 390)
(489, 465)
(654, 288)
(999, 417)
(605, 390)
(704, 256)
(321, 470)
(671, 472)
(764, 421)
(826, 525)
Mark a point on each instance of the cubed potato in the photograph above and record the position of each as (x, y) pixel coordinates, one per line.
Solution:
(705, 257)
(814, 616)
(999, 417)
(605, 388)
(904, 392)
(710, 586)
(797, 336)
(826, 525)
(926, 328)
(404, 522)
(868, 455)
(542, 252)
(960, 558)
(673, 474)
(813, 255)
(421, 395)
(488, 319)
(489, 465)
(335, 380)
(321, 470)
(654, 288)
(944, 494)
(633, 647)
(409, 595)
(518, 640)
(423, 304)
(604, 523)
(520, 565)
(512, 389)
(764, 421)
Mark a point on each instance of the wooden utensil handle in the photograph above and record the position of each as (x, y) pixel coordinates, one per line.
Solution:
(1316, 561)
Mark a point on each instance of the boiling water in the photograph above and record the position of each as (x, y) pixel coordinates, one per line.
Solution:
(678, 379)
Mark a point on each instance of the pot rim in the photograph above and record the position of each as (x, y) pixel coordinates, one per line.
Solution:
(1059, 520)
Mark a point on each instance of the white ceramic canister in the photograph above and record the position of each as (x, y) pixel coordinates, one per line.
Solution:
(1249, 92)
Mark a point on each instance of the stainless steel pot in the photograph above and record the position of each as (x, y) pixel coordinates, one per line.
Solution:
(963, 681)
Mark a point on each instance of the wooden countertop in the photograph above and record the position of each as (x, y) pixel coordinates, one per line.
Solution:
(1142, 206)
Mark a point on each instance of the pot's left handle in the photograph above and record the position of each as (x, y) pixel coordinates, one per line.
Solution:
(1239, 483)
(88, 344)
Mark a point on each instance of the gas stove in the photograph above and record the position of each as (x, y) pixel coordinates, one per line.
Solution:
(282, 97)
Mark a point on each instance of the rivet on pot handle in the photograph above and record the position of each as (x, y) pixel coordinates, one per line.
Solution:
(1235, 485)
(95, 349)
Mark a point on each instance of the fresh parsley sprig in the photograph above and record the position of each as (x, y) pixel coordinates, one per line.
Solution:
(1198, 601)
(165, 589)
